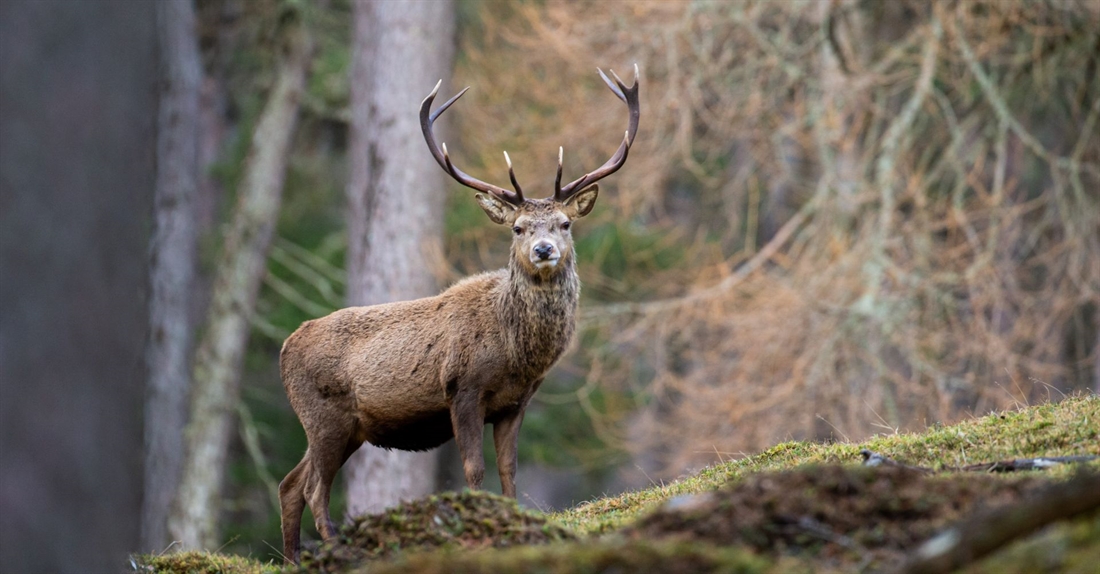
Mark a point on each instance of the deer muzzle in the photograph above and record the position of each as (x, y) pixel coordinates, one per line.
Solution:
(545, 254)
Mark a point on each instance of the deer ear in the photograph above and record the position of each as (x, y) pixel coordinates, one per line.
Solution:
(497, 210)
(582, 202)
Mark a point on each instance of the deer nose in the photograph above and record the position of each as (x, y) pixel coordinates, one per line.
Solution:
(543, 250)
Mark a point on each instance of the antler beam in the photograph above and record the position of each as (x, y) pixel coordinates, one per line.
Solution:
(427, 119)
(628, 96)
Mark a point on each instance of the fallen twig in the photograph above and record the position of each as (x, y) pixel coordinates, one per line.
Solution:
(986, 532)
(872, 458)
(1027, 463)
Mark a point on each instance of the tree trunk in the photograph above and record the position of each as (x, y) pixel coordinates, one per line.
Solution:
(78, 109)
(396, 196)
(1096, 356)
(172, 265)
(240, 271)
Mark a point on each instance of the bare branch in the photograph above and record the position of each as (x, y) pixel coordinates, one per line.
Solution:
(967, 542)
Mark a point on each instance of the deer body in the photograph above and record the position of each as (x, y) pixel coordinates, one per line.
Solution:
(411, 375)
(397, 367)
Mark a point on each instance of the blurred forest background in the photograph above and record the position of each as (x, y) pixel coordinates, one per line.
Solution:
(839, 218)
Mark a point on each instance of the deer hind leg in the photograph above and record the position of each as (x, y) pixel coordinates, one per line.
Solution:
(328, 452)
(292, 501)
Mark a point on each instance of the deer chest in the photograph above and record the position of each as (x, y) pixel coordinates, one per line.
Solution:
(508, 397)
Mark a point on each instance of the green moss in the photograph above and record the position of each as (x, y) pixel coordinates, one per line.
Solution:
(633, 556)
(453, 520)
(1070, 547)
(201, 563)
(1070, 427)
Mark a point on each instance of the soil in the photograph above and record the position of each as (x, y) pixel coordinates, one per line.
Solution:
(835, 515)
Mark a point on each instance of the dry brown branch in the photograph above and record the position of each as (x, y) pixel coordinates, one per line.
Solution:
(872, 458)
(985, 533)
(876, 222)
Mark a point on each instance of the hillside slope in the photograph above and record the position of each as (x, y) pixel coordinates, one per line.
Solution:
(795, 507)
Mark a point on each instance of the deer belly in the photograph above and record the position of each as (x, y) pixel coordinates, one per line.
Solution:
(421, 431)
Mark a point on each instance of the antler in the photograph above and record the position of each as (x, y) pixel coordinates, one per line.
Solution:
(630, 97)
(427, 118)
(561, 193)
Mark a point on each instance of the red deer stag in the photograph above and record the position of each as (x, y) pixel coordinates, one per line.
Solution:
(410, 375)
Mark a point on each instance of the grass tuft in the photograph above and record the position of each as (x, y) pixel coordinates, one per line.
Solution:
(192, 562)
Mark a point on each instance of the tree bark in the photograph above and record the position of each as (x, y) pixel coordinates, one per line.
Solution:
(78, 109)
(240, 271)
(396, 198)
(172, 265)
(1096, 356)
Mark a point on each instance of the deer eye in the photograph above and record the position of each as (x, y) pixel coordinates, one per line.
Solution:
(517, 230)
(565, 226)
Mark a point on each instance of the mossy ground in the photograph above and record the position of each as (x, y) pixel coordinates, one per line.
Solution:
(1069, 427)
(202, 563)
(797, 507)
(837, 515)
(449, 521)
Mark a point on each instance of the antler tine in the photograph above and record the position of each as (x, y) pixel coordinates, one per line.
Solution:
(628, 95)
(427, 119)
(618, 90)
(447, 103)
(512, 176)
(449, 167)
(557, 180)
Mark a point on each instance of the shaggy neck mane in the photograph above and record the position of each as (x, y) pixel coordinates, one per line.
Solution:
(539, 314)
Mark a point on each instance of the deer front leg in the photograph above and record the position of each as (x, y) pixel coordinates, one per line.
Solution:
(506, 440)
(468, 421)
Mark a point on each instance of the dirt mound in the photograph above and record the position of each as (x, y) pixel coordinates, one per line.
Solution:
(840, 514)
(605, 557)
(464, 520)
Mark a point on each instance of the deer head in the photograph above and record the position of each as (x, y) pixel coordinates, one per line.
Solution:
(542, 242)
